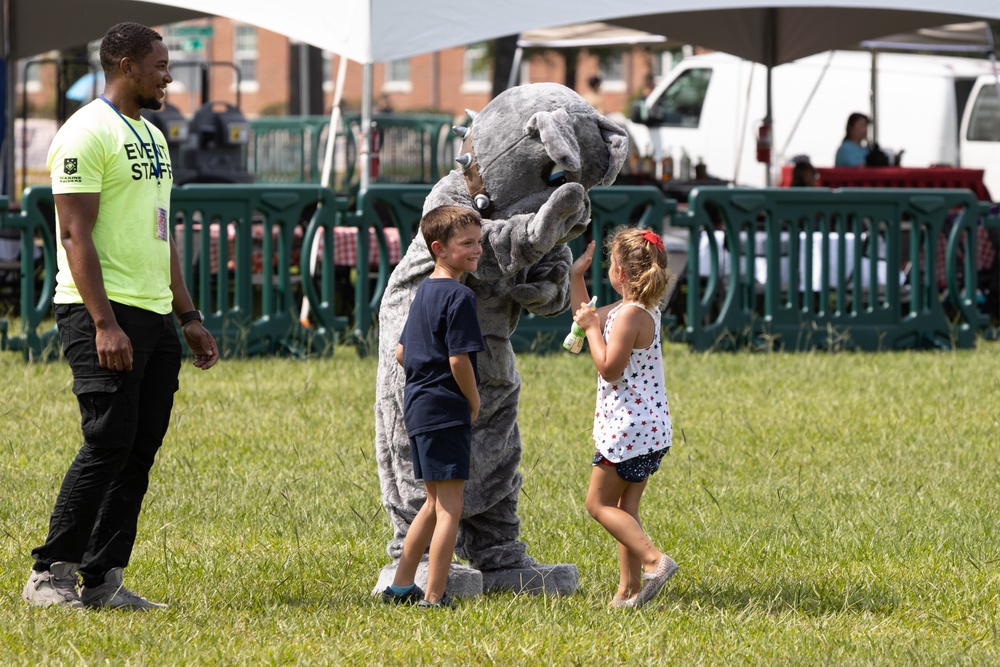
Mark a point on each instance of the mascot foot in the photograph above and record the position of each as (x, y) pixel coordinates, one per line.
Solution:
(463, 581)
(552, 579)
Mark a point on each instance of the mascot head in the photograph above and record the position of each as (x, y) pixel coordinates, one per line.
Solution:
(531, 139)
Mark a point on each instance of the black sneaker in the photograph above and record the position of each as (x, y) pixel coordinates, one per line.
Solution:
(444, 603)
(412, 596)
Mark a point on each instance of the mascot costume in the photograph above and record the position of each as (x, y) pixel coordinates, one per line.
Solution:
(527, 161)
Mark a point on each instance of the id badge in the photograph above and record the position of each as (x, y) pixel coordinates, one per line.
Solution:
(161, 223)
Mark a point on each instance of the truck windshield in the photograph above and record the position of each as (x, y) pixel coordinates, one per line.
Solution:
(984, 121)
(680, 104)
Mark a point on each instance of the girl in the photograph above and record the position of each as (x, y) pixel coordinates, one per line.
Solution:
(632, 426)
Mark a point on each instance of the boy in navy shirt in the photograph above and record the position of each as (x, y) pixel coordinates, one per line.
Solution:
(437, 351)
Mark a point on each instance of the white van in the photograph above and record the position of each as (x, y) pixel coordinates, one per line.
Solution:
(709, 109)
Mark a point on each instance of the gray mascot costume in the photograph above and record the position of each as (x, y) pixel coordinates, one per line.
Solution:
(526, 164)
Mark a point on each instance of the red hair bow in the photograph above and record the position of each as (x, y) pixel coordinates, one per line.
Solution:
(655, 239)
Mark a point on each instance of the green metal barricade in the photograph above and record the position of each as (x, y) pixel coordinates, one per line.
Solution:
(321, 280)
(287, 149)
(406, 148)
(35, 226)
(383, 205)
(805, 268)
(238, 245)
(777, 269)
(400, 206)
(990, 327)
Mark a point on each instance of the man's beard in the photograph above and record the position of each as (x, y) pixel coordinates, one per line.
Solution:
(149, 103)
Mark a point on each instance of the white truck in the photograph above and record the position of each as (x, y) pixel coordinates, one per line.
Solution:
(710, 108)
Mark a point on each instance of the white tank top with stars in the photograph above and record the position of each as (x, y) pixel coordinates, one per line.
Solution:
(632, 416)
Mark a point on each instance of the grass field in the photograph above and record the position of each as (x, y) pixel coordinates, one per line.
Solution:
(838, 509)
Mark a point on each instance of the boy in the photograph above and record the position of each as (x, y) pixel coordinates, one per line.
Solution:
(437, 351)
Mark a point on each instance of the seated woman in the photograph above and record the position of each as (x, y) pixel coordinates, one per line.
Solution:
(851, 152)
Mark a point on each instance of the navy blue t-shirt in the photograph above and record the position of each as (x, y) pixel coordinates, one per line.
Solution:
(442, 323)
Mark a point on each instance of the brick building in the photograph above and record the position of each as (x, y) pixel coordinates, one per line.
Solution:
(212, 51)
(444, 81)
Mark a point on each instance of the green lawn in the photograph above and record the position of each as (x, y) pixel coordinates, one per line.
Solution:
(824, 509)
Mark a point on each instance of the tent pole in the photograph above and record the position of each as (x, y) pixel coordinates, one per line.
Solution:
(331, 135)
(366, 125)
(768, 119)
(7, 152)
(331, 140)
(7, 182)
(770, 35)
(873, 93)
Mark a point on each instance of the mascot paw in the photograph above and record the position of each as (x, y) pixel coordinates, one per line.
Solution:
(534, 296)
(567, 212)
(557, 579)
(545, 290)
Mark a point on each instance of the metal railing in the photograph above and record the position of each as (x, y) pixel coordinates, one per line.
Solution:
(406, 148)
(854, 268)
(776, 269)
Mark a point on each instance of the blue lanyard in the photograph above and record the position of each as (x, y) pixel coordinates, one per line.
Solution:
(152, 143)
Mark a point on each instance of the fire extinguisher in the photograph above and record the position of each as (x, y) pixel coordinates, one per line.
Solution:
(764, 143)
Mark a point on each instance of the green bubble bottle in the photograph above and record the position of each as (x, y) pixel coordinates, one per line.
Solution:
(574, 341)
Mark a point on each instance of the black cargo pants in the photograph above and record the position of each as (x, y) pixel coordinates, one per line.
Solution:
(124, 417)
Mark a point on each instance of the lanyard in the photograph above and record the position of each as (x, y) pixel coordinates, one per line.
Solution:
(152, 143)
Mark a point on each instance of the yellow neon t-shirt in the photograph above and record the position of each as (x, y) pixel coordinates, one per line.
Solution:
(96, 151)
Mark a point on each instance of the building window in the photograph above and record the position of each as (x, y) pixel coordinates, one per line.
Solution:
(245, 54)
(611, 73)
(476, 69)
(31, 75)
(525, 76)
(663, 61)
(397, 76)
(327, 71)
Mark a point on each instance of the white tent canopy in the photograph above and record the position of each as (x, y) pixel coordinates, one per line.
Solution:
(383, 30)
(370, 31)
(582, 35)
(786, 31)
(971, 37)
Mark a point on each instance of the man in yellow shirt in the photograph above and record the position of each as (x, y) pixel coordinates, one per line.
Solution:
(118, 287)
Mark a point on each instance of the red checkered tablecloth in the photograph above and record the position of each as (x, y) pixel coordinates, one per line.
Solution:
(985, 254)
(345, 246)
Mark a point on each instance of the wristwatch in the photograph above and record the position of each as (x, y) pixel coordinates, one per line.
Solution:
(191, 316)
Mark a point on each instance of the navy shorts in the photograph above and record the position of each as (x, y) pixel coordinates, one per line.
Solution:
(636, 469)
(442, 455)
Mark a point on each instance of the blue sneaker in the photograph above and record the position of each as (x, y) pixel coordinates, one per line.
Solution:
(411, 596)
